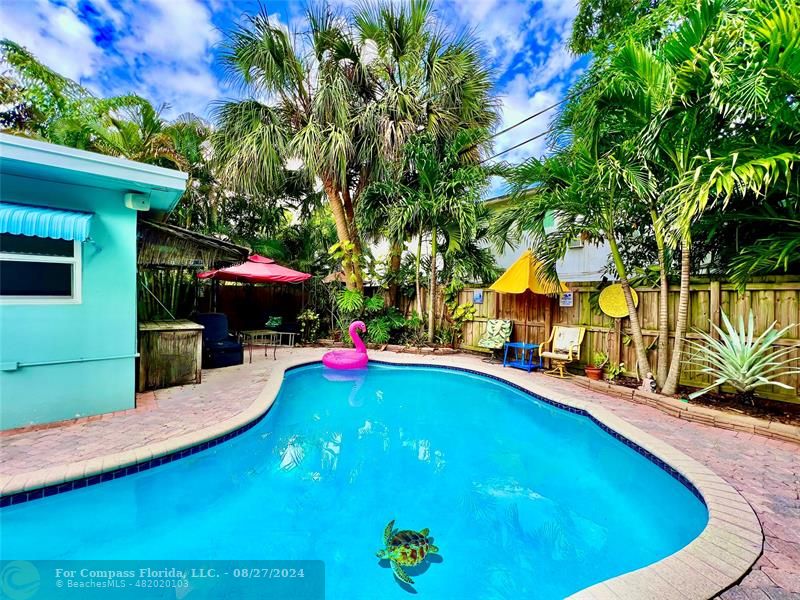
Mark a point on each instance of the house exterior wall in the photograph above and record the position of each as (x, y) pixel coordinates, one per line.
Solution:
(91, 345)
(586, 263)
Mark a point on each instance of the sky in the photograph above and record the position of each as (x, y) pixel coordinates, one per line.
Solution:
(167, 50)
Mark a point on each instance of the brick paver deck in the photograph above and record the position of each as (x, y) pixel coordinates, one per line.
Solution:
(765, 471)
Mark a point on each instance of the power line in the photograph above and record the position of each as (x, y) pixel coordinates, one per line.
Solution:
(536, 137)
(509, 128)
(526, 119)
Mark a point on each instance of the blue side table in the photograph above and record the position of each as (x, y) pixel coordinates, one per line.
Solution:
(523, 356)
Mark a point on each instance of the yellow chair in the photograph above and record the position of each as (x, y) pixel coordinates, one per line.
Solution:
(565, 344)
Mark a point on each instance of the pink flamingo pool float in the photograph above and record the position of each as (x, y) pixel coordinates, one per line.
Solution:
(349, 359)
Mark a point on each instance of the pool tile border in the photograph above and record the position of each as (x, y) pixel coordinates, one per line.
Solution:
(714, 561)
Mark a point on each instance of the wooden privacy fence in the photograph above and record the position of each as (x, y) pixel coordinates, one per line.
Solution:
(249, 306)
(536, 315)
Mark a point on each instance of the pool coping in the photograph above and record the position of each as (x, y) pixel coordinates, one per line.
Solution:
(714, 561)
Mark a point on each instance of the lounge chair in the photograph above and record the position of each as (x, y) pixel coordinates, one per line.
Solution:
(220, 348)
(498, 332)
(565, 344)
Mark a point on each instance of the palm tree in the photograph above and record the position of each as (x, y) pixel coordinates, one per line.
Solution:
(588, 195)
(369, 81)
(44, 104)
(672, 123)
(441, 198)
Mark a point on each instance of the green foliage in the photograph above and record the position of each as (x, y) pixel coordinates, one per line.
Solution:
(461, 314)
(383, 327)
(378, 330)
(599, 359)
(671, 124)
(342, 97)
(598, 22)
(740, 359)
(614, 370)
(309, 326)
(374, 304)
(350, 302)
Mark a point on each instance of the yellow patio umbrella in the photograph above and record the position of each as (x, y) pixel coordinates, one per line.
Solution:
(523, 276)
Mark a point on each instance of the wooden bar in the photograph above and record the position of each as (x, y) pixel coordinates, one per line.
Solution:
(171, 353)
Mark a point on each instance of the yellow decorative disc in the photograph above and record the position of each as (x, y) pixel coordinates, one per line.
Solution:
(612, 301)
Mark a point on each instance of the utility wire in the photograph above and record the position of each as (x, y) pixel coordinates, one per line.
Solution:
(510, 127)
(526, 119)
(536, 137)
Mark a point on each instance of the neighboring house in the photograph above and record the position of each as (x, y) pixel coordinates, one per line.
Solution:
(583, 262)
(68, 222)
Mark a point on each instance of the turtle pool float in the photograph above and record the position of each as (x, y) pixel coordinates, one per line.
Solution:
(405, 549)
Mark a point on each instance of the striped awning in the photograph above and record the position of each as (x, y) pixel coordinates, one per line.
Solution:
(39, 221)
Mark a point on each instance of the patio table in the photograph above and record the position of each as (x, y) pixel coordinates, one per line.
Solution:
(523, 356)
(269, 338)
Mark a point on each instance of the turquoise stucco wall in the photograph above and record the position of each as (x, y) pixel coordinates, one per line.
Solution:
(103, 325)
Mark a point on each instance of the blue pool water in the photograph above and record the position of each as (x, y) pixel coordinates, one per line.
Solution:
(522, 498)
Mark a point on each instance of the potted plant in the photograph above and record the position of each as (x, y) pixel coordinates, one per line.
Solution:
(595, 370)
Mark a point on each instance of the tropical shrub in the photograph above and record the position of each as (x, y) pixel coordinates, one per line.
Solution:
(383, 327)
(350, 303)
(383, 323)
(309, 326)
(614, 370)
(740, 359)
(460, 315)
(599, 359)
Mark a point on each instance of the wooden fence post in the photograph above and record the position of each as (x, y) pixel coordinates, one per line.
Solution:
(617, 349)
(714, 288)
(548, 318)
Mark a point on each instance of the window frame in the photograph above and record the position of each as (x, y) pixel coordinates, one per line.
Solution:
(76, 260)
(576, 243)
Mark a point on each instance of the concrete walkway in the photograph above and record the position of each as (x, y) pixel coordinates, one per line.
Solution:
(765, 471)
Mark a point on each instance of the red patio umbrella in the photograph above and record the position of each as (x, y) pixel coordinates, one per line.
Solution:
(257, 269)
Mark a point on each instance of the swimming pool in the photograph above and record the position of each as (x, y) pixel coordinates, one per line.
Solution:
(522, 498)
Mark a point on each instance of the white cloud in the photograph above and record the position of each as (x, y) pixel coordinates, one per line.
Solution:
(54, 34)
(501, 24)
(167, 46)
(109, 11)
(172, 30)
(160, 49)
(520, 100)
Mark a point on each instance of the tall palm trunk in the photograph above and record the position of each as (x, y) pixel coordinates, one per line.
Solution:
(663, 304)
(358, 251)
(642, 363)
(671, 383)
(342, 230)
(395, 254)
(417, 274)
(432, 289)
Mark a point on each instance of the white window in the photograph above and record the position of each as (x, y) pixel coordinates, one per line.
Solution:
(37, 270)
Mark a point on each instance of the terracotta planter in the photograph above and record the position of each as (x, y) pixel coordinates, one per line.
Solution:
(594, 373)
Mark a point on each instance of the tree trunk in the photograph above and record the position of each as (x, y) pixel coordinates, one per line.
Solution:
(671, 384)
(432, 289)
(358, 250)
(663, 305)
(643, 365)
(342, 230)
(395, 255)
(417, 266)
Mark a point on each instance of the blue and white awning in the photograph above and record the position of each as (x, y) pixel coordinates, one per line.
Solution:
(22, 219)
